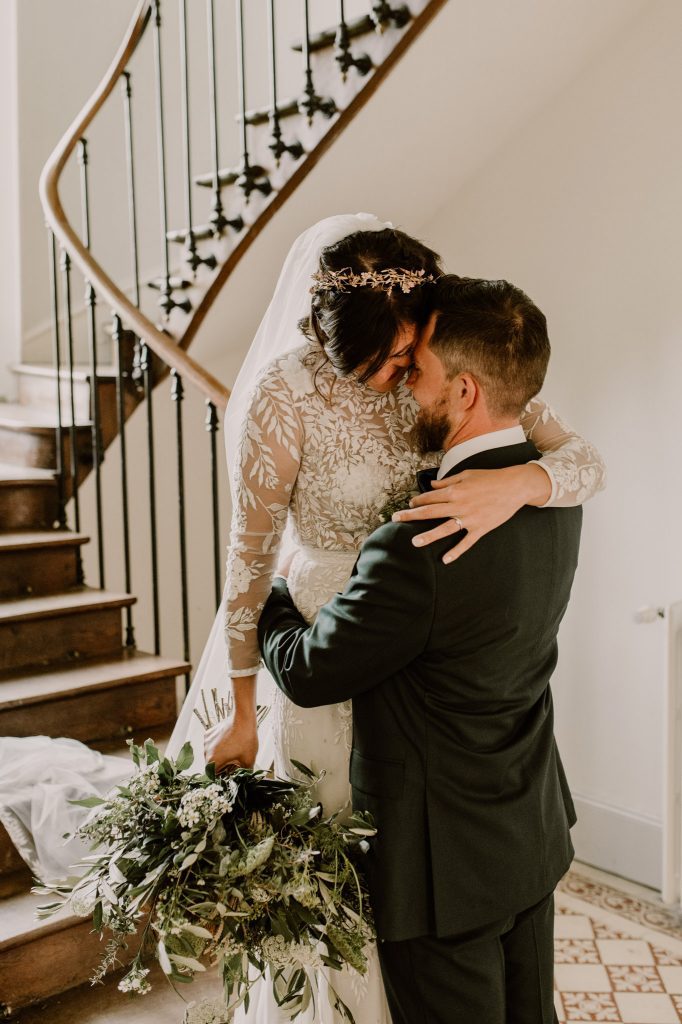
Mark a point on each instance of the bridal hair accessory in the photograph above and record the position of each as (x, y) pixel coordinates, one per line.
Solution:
(385, 280)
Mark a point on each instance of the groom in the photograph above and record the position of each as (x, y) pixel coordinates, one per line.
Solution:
(449, 670)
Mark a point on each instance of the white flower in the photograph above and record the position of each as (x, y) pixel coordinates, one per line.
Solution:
(134, 981)
(297, 377)
(280, 953)
(239, 575)
(207, 1011)
(203, 806)
(360, 484)
(83, 899)
(146, 780)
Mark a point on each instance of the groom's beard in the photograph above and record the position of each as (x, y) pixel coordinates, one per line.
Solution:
(432, 428)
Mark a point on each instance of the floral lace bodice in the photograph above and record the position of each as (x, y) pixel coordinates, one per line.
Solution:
(325, 454)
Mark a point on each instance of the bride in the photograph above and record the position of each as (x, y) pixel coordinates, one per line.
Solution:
(318, 431)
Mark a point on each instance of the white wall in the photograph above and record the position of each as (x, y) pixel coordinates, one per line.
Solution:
(583, 209)
(10, 282)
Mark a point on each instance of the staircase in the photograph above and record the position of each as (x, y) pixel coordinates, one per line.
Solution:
(69, 664)
(65, 669)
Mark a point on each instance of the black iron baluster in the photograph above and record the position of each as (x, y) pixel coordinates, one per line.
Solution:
(342, 51)
(57, 359)
(212, 428)
(252, 178)
(192, 257)
(177, 395)
(127, 89)
(127, 84)
(73, 444)
(166, 300)
(120, 407)
(382, 14)
(146, 368)
(95, 424)
(218, 219)
(310, 103)
(278, 146)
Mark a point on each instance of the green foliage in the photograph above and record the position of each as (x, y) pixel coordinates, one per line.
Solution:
(240, 872)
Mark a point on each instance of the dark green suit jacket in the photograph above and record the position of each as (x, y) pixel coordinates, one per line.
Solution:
(453, 743)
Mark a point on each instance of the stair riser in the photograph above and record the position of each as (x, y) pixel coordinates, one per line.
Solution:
(87, 634)
(25, 507)
(46, 570)
(39, 451)
(10, 861)
(42, 392)
(50, 964)
(121, 712)
(15, 876)
(15, 882)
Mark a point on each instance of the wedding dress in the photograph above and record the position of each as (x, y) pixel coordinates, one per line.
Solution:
(318, 456)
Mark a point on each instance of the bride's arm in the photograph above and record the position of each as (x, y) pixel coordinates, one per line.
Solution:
(265, 472)
(570, 472)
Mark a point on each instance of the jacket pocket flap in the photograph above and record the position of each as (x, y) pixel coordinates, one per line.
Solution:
(375, 777)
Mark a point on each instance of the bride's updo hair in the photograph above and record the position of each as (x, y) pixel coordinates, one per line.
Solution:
(356, 326)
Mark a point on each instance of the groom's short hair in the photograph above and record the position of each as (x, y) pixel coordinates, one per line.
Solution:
(493, 331)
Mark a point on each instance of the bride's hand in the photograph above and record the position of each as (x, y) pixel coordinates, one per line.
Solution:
(476, 501)
(232, 743)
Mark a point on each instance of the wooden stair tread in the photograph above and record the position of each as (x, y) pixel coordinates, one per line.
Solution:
(15, 476)
(35, 685)
(19, 925)
(24, 540)
(80, 372)
(32, 418)
(49, 605)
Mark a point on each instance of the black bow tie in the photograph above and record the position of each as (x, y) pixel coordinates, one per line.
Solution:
(425, 477)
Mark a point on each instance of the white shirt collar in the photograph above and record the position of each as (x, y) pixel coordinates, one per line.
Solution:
(483, 443)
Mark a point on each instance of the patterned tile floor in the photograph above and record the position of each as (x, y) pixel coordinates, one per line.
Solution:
(618, 953)
(618, 958)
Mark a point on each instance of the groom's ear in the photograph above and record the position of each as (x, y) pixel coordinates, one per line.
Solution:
(465, 391)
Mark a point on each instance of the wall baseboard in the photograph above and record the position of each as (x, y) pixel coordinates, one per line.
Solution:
(618, 841)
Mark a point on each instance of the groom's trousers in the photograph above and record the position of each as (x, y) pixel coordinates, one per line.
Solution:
(500, 974)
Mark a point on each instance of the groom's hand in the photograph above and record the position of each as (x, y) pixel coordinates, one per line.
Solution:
(476, 501)
(233, 743)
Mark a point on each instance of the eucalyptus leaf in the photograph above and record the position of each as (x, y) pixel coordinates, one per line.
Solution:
(195, 929)
(185, 757)
(187, 961)
(164, 961)
(303, 769)
(151, 752)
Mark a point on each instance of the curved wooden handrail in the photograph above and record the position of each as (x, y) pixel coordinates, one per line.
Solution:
(168, 350)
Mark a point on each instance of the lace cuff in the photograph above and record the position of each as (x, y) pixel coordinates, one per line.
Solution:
(574, 466)
(552, 481)
(240, 673)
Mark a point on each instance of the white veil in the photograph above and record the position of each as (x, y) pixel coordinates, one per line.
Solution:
(278, 334)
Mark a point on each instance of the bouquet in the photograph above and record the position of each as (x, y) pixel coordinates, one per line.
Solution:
(240, 872)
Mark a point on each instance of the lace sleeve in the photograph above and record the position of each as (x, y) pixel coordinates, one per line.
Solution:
(265, 472)
(574, 466)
